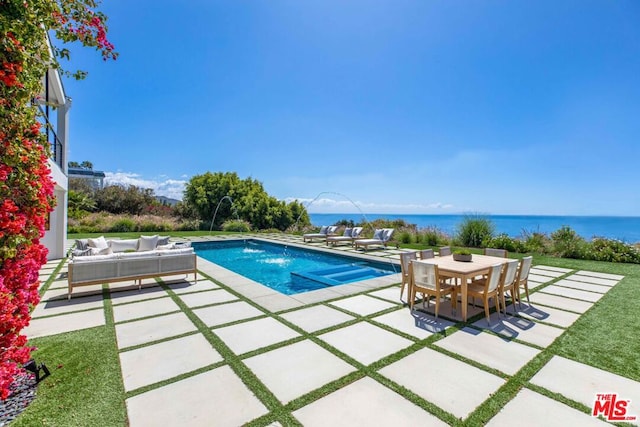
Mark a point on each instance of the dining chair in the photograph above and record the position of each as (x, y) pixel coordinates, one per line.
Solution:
(509, 283)
(445, 251)
(405, 258)
(501, 253)
(487, 288)
(523, 276)
(426, 254)
(424, 278)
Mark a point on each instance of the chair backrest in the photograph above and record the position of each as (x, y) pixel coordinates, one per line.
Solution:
(355, 233)
(386, 234)
(496, 252)
(426, 254)
(405, 259)
(445, 250)
(493, 281)
(525, 266)
(424, 275)
(510, 272)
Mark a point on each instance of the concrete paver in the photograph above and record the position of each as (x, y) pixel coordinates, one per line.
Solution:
(363, 305)
(602, 275)
(123, 297)
(64, 323)
(582, 382)
(490, 350)
(415, 323)
(277, 302)
(317, 318)
(560, 302)
(594, 280)
(153, 329)
(184, 286)
(583, 286)
(215, 296)
(455, 386)
(546, 272)
(572, 293)
(197, 401)
(227, 313)
(545, 314)
(63, 306)
(364, 403)
(522, 329)
(551, 268)
(255, 334)
(297, 369)
(533, 409)
(364, 342)
(168, 359)
(137, 310)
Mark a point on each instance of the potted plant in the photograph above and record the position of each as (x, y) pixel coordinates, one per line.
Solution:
(463, 255)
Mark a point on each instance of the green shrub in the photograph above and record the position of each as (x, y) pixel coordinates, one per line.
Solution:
(473, 230)
(610, 250)
(433, 236)
(122, 225)
(567, 244)
(503, 241)
(404, 237)
(236, 226)
(536, 242)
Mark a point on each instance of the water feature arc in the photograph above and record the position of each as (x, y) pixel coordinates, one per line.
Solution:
(227, 197)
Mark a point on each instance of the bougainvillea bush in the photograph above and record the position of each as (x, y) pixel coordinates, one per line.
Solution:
(26, 188)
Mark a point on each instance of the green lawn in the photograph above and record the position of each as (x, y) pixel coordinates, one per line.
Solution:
(86, 388)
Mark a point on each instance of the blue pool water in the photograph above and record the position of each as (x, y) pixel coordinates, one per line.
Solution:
(290, 270)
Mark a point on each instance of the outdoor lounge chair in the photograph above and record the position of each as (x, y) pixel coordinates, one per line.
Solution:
(323, 234)
(380, 238)
(349, 235)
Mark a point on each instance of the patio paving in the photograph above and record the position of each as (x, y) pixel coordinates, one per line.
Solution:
(581, 383)
(453, 385)
(364, 342)
(255, 334)
(161, 349)
(364, 403)
(153, 329)
(363, 305)
(316, 318)
(498, 353)
(214, 395)
(292, 371)
(168, 359)
(533, 409)
(601, 275)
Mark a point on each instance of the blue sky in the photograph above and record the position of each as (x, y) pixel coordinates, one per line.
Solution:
(425, 106)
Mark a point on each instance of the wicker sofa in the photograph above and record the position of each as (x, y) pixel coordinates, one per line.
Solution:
(124, 264)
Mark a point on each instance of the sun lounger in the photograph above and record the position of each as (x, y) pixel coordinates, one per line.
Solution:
(323, 234)
(349, 235)
(380, 238)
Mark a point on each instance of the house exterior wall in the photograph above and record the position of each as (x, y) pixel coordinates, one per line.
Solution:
(56, 234)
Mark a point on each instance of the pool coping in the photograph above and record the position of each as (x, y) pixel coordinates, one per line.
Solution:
(274, 301)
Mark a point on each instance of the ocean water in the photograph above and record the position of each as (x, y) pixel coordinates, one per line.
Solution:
(626, 229)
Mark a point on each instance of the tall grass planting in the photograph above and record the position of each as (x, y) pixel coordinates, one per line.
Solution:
(103, 222)
(473, 230)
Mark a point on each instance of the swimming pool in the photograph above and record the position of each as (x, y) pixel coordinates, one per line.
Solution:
(290, 270)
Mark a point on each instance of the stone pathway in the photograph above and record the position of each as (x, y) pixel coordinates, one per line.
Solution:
(334, 358)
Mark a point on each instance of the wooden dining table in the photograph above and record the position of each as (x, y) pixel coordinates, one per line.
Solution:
(464, 271)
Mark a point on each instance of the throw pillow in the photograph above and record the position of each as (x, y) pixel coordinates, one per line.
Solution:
(82, 244)
(347, 232)
(101, 251)
(98, 243)
(81, 252)
(163, 240)
(323, 229)
(378, 234)
(147, 243)
(165, 247)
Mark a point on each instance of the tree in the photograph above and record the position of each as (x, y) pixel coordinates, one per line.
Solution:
(119, 199)
(229, 197)
(26, 188)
